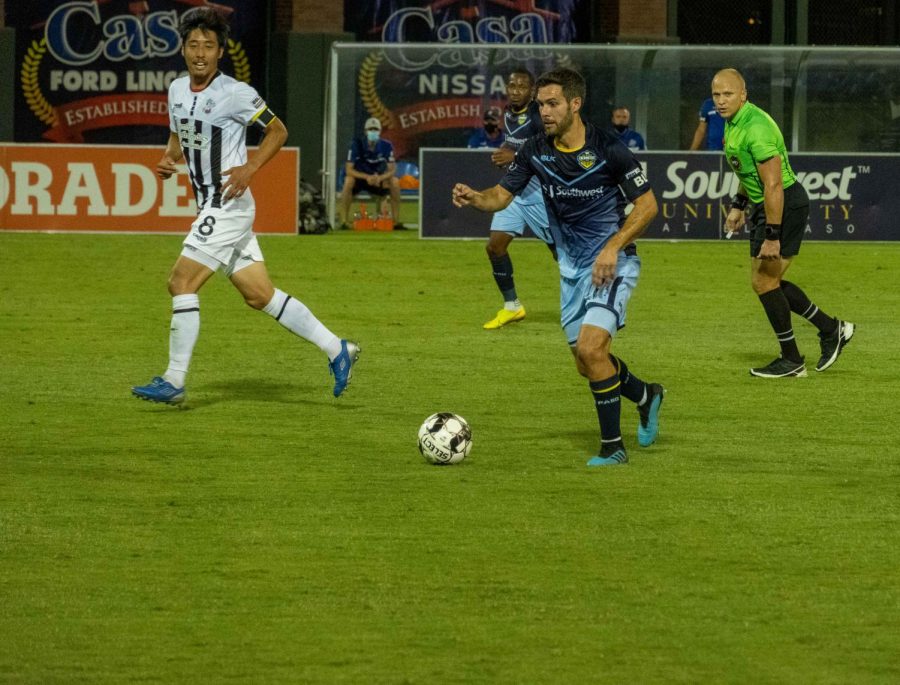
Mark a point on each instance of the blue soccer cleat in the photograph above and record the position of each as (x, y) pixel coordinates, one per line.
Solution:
(159, 390)
(648, 427)
(617, 456)
(342, 366)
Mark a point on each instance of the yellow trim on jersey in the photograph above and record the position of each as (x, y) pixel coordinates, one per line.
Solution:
(565, 149)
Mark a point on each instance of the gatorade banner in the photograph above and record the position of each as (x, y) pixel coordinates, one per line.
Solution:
(852, 196)
(115, 188)
(99, 72)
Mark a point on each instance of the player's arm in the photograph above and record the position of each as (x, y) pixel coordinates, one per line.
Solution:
(736, 217)
(173, 154)
(503, 155)
(634, 186)
(644, 211)
(239, 177)
(699, 136)
(490, 200)
(773, 198)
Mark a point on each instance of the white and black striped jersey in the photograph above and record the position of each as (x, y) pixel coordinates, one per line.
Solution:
(211, 125)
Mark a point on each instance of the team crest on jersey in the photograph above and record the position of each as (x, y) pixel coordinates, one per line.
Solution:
(208, 106)
(522, 119)
(734, 162)
(587, 159)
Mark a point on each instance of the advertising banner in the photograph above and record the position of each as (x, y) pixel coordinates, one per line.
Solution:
(465, 21)
(115, 188)
(99, 71)
(852, 197)
(424, 97)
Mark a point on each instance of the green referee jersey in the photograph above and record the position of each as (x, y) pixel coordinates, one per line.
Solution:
(753, 137)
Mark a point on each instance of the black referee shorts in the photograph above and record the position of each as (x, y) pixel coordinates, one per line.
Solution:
(793, 222)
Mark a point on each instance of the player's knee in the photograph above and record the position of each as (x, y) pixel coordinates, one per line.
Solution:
(590, 358)
(495, 250)
(176, 285)
(763, 283)
(256, 300)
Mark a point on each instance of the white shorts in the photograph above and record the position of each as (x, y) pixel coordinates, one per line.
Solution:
(223, 239)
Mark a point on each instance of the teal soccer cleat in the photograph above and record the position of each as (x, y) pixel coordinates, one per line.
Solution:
(159, 390)
(648, 428)
(342, 366)
(618, 456)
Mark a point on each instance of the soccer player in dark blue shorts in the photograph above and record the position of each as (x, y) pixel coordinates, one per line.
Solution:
(587, 177)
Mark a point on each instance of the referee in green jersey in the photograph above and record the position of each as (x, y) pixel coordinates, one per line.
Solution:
(778, 207)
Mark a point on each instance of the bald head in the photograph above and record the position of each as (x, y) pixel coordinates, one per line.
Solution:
(729, 92)
(731, 75)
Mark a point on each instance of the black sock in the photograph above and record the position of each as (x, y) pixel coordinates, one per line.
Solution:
(503, 274)
(633, 388)
(606, 400)
(800, 304)
(779, 312)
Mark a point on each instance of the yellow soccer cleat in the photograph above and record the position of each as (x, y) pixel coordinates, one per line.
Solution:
(505, 316)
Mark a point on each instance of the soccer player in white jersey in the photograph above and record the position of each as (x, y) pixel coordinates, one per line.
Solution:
(208, 116)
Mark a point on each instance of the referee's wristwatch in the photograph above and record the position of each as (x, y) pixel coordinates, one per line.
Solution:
(773, 231)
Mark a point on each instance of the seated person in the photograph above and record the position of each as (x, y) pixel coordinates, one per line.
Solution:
(621, 120)
(490, 134)
(370, 167)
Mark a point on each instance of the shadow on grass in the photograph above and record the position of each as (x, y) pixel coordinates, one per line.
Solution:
(257, 390)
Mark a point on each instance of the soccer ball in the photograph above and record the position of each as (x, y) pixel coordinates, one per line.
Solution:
(445, 438)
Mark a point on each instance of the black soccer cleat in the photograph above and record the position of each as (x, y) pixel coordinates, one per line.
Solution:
(648, 428)
(833, 344)
(780, 368)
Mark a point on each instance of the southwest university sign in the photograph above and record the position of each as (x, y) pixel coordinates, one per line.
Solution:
(852, 196)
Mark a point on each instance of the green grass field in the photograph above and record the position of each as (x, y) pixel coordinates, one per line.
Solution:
(266, 533)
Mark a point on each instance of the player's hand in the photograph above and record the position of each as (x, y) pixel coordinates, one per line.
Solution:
(165, 167)
(771, 249)
(734, 222)
(463, 195)
(503, 156)
(237, 180)
(604, 270)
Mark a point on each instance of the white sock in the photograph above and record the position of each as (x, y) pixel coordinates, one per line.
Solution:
(512, 305)
(183, 334)
(296, 317)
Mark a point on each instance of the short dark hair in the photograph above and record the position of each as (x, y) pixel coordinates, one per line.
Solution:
(571, 82)
(524, 72)
(205, 19)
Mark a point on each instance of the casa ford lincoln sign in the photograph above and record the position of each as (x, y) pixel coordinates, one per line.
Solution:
(115, 188)
(852, 197)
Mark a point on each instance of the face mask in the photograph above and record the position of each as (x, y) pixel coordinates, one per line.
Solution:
(490, 128)
(373, 136)
(620, 127)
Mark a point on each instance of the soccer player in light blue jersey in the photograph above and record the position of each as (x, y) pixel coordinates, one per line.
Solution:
(587, 177)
